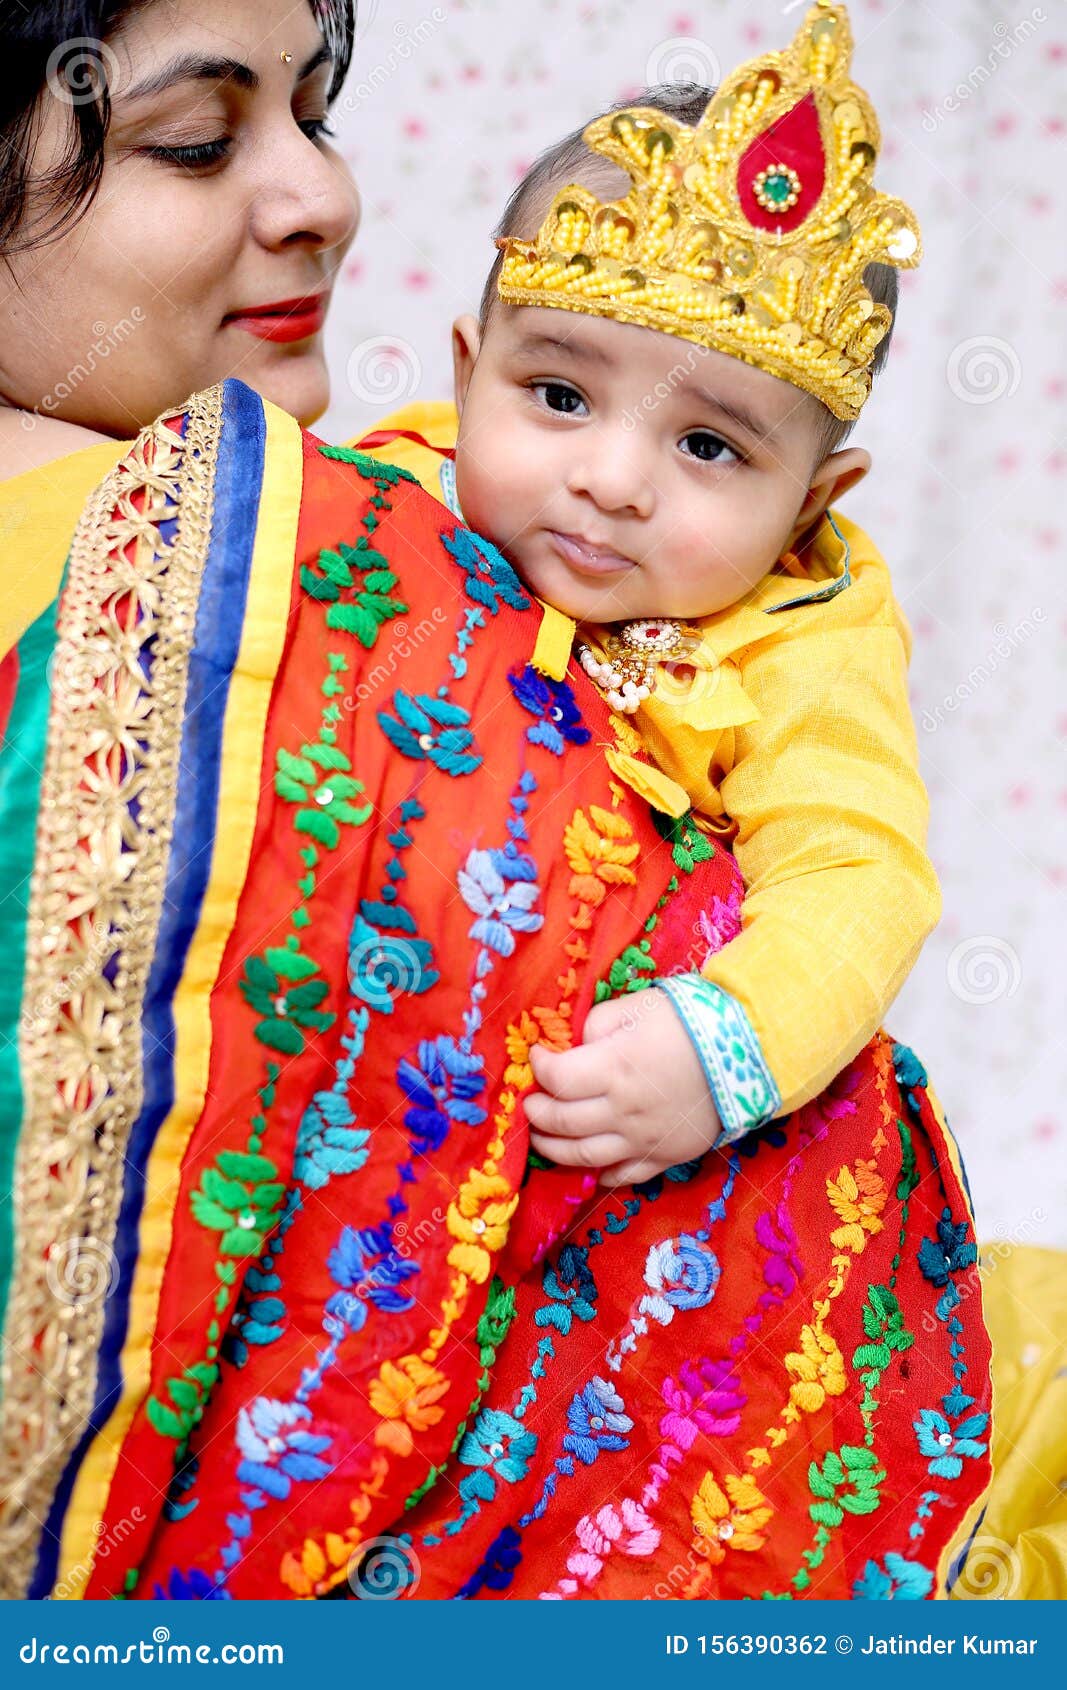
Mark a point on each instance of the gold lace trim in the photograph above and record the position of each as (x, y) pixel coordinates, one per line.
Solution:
(119, 677)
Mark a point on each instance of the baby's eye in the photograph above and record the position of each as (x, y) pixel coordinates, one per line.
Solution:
(559, 396)
(707, 447)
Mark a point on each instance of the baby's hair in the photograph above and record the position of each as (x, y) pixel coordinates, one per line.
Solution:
(570, 160)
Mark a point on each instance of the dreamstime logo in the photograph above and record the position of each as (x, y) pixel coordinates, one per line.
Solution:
(992, 1571)
(983, 970)
(383, 371)
(1008, 641)
(104, 343)
(682, 59)
(405, 641)
(384, 968)
(406, 40)
(81, 1270)
(383, 1569)
(684, 682)
(1007, 38)
(80, 69)
(983, 369)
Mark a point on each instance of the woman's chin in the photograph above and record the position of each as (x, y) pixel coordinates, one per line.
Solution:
(299, 385)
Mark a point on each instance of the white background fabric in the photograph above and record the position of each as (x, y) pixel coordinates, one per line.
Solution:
(445, 106)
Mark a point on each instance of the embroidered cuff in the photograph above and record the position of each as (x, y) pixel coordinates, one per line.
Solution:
(742, 1086)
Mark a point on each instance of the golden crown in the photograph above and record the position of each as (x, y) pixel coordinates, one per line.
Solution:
(749, 233)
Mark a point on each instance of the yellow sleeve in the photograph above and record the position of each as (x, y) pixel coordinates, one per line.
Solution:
(831, 815)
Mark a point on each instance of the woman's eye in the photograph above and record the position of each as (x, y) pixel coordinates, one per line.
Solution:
(709, 448)
(560, 397)
(206, 152)
(315, 127)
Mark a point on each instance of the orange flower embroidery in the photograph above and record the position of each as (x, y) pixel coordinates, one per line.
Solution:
(819, 1370)
(405, 1394)
(479, 1221)
(309, 1573)
(858, 1198)
(599, 852)
(729, 1521)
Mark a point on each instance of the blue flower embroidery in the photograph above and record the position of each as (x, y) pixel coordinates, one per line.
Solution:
(949, 1444)
(366, 1265)
(681, 1273)
(559, 720)
(193, 1586)
(501, 1443)
(382, 965)
(431, 729)
(500, 888)
(949, 1253)
(899, 1580)
(442, 1089)
(276, 1449)
(571, 1287)
(488, 576)
(327, 1142)
(596, 1419)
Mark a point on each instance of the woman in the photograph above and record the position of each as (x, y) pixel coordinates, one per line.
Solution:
(296, 870)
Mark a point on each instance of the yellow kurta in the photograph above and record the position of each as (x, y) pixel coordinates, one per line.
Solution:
(795, 742)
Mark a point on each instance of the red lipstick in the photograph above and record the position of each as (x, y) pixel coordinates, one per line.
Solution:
(285, 319)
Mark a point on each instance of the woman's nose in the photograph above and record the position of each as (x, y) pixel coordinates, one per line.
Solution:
(308, 196)
(609, 467)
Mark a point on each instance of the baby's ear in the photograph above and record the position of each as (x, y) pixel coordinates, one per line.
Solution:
(466, 344)
(830, 482)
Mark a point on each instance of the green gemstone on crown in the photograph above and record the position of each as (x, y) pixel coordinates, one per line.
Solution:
(777, 187)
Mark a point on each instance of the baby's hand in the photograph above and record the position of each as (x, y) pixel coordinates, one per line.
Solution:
(631, 1099)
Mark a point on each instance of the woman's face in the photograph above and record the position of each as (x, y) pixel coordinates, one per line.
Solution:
(219, 198)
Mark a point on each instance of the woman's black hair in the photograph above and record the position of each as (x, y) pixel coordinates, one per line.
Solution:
(65, 42)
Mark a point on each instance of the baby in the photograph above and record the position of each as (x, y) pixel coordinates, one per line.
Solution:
(682, 324)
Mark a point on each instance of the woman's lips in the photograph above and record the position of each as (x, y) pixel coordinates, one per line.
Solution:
(587, 559)
(286, 319)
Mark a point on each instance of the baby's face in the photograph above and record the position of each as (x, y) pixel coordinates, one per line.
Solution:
(626, 472)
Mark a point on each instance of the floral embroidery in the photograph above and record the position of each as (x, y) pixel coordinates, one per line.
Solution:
(571, 1287)
(193, 1586)
(276, 1448)
(681, 1273)
(818, 1369)
(366, 1265)
(896, 1579)
(948, 1444)
(949, 1253)
(499, 1442)
(706, 1398)
(406, 1395)
(845, 1483)
(858, 1197)
(432, 729)
(596, 1418)
(600, 851)
(559, 720)
(325, 795)
(441, 1089)
(239, 1198)
(383, 965)
(479, 1221)
(288, 1009)
(501, 889)
(729, 1520)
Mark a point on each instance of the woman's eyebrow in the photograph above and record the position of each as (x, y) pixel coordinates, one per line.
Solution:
(197, 67)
